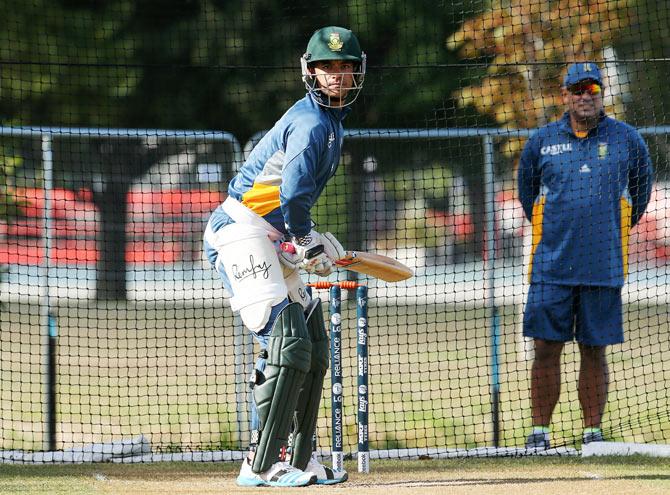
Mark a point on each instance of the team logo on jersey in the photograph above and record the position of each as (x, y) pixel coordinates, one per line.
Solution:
(335, 43)
(556, 149)
(602, 150)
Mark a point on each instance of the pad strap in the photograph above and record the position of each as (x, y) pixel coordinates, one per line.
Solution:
(307, 411)
(289, 359)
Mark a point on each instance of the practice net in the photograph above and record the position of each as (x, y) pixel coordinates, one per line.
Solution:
(123, 123)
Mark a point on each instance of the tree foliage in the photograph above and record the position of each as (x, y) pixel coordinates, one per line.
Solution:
(210, 64)
(202, 64)
(10, 205)
(526, 45)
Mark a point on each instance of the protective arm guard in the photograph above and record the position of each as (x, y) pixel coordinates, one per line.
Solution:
(289, 360)
(310, 396)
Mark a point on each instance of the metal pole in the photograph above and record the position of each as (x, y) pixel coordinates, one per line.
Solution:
(490, 276)
(48, 315)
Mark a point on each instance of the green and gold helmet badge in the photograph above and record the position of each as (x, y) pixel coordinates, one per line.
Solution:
(334, 42)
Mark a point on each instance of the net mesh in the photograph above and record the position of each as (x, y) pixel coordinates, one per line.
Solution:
(123, 123)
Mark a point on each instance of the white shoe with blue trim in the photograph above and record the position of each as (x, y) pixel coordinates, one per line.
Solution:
(279, 474)
(325, 475)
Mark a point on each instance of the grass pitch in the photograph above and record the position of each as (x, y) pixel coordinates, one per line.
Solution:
(606, 476)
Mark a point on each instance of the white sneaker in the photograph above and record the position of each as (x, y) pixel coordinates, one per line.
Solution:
(325, 475)
(279, 474)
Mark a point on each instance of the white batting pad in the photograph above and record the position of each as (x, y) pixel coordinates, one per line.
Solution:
(253, 269)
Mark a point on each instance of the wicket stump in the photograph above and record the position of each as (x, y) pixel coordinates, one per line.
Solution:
(336, 372)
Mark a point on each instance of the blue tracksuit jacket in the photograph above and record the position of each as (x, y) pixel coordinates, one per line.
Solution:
(582, 196)
(288, 169)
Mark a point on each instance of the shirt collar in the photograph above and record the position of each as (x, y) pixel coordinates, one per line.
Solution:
(567, 126)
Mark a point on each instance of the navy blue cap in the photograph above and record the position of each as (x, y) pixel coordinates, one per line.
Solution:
(582, 71)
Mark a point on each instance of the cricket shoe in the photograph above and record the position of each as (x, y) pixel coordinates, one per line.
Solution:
(538, 441)
(325, 475)
(592, 436)
(279, 474)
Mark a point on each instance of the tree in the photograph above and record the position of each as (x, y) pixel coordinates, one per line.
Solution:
(10, 205)
(525, 45)
(66, 68)
(205, 64)
(646, 48)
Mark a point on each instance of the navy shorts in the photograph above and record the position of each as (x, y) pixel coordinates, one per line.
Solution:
(561, 313)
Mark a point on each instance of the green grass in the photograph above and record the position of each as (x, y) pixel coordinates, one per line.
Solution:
(170, 373)
(472, 476)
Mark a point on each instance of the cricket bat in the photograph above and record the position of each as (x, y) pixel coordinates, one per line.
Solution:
(374, 265)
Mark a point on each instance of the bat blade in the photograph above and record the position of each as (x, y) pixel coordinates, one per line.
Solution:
(375, 265)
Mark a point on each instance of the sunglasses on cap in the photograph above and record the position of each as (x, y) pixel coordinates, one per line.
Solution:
(587, 87)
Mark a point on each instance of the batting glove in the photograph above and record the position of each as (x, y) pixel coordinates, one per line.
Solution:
(332, 247)
(288, 258)
(318, 252)
(311, 251)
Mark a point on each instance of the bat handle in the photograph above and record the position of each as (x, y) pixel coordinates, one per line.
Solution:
(287, 247)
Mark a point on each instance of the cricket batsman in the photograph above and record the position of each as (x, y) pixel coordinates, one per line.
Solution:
(269, 202)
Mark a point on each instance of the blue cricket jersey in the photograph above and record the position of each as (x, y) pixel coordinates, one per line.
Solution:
(288, 169)
(582, 196)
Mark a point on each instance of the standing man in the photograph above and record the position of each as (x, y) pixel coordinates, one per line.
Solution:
(269, 202)
(584, 181)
